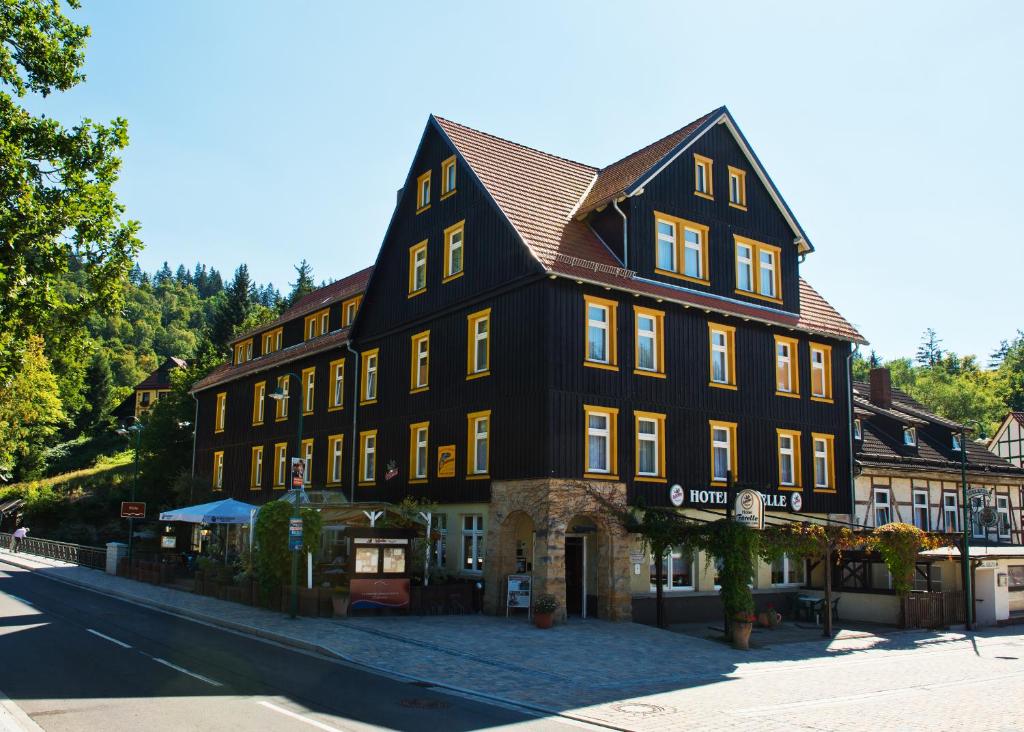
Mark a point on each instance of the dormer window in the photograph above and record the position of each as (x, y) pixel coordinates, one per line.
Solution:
(703, 183)
(423, 192)
(910, 436)
(857, 434)
(956, 442)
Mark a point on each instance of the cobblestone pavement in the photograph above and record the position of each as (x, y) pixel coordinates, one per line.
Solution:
(634, 677)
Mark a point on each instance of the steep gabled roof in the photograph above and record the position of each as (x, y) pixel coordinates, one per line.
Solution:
(160, 377)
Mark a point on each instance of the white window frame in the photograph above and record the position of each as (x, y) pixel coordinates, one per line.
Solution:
(823, 455)
(310, 392)
(978, 531)
(819, 367)
(1003, 510)
(772, 269)
(338, 395)
(951, 509)
(746, 263)
(882, 505)
(910, 436)
(667, 239)
(219, 483)
(858, 430)
(604, 433)
(956, 446)
(717, 444)
(697, 247)
(652, 438)
(650, 334)
(788, 571)
(786, 361)
(336, 459)
(722, 351)
(674, 555)
(421, 453)
(481, 340)
(475, 534)
(369, 458)
(257, 478)
(917, 506)
(422, 362)
(602, 327)
(307, 455)
(370, 387)
(483, 437)
(282, 466)
(261, 407)
(790, 454)
(454, 246)
(419, 270)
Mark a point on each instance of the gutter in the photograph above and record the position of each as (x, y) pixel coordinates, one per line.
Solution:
(195, 432)
(849, 430)
(625, 234)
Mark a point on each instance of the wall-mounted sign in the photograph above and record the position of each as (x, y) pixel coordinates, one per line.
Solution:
(988, 517)
(795, 501)
(637, 556)
(168, 542)
(973, 493)
(749, 509)
(133, 509)
(677, 495)
(298, 472)
(719, 497)
(446, 461)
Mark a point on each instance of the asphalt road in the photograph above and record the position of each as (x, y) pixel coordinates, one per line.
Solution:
(76, 660)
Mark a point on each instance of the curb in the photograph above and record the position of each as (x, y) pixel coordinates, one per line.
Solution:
(308, 646)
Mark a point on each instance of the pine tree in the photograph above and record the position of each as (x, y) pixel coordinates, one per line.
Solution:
(303, 284)
(234, 308)
(162, 276)
(929, 352)
(182, 275)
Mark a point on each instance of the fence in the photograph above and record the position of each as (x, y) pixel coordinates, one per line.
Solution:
(933, 609)
(86, 556)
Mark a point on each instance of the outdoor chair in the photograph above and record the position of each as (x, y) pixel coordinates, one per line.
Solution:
(820, 607)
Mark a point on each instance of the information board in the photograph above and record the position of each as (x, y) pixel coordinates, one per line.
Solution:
(294, 534)
(519, 588)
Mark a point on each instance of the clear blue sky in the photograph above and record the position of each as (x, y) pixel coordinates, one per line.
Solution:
(268, 132)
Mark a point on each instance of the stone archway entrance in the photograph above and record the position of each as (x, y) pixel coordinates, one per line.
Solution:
(568, 542)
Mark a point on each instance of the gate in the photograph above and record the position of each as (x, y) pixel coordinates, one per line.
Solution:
(933, 610)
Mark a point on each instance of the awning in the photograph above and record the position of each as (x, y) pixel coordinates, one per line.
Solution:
(977, 552)
(227, 511)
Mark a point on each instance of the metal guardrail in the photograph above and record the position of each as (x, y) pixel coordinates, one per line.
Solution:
(86, 556)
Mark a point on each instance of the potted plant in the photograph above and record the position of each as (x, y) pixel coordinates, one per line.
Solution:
(339, 601)
(742, 624)
(544, 609)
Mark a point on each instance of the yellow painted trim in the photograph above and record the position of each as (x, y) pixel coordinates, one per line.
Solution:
(259, 397)
(471, 322)
(659, 420)
(319, 328)
(659, 341)
(826, 360)
(613, 329)
(333, 368)
(269, 340)
(680, 225)
(822, 400)
(363, 357)
(362, 457)
(613, 441)
(730, 355)
(797, 459)
(307, 455)
(350, 302)
(281, 405)
(733, 449)
(755, 267)
(253, 472)
(240, 351)
(220, 417)
(471, 419)
(333, 440)
(709, 176)
(794, 366)
(422, 205)
(413, 251)
(308, 378)
(218, 467)
(413, 429)
(716, 385)
(831, 456)
(459, 227)
(414, 342)
(280, 448)
(741, 176)
(445, 165)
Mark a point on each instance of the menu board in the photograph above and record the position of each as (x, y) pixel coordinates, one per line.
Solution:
(519, 586)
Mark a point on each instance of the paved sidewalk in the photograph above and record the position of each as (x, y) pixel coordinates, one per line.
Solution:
(622, 675)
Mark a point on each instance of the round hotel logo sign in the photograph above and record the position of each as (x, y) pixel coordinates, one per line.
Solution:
(750, 509)
(676, 495)
(796, 502)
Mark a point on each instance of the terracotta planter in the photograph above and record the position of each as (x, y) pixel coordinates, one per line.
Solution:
(543, 620)
(764, 620)
(339, 602)
(741, 635)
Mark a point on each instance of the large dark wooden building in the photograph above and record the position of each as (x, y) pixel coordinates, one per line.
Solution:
(536, 331)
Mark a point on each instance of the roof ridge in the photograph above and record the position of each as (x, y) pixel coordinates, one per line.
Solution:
(517, 144)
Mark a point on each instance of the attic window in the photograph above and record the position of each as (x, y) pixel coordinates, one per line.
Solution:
(956, 442)
(857, 434)
(448, 177)
(738, 188)
(423, 192)
(703, 183)
(910, 436)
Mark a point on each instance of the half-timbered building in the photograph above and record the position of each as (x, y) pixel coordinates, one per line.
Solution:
(1008, 440)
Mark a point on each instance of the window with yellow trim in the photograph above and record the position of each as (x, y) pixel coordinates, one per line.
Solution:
(337, 371)
(478, 344)
(789, 459)
(723, 452)
(256, 468)
(281, 405)
(307, 454)
(243, 351)
(280, 464)
(681, 248)
(601, 437)
(722, 356)
(368, 457)
(218, 470)
(335, 454)
(738, 188)
(308, 389)
(317, 324)
(368, 377)
(649, 339)
(418, 268)
(703, 180)
(423, 192)
(419, 367)
(821, 372)
(600, 333)
(448, 175)
(478, 440)
(824, 462)
(349, 309)
(758, 269)
(454, 249)
(272, 341)
(220, 415)
(649, 428)
(259, 402)
(787, 375)
(419, 439)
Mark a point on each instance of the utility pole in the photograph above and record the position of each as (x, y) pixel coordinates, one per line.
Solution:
(965, 552)
(136, 430)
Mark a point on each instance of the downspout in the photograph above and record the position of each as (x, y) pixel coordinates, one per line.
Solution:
(625, 234)
(195, 431)
(849, 430)
(355, 413)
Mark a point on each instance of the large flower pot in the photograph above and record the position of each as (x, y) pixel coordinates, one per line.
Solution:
(543, 620)
(741, 634)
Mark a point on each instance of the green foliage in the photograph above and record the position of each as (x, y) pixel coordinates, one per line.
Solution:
(272, 559)
(899, 545)
(736, 547)
(30, 411)
(303, 284)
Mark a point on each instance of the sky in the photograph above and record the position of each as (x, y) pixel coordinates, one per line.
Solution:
(269, 132)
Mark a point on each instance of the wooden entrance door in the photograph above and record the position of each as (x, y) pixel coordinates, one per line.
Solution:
(574, 575)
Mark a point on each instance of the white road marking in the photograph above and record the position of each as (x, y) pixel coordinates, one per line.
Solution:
(299, 717)
(193, 674)
(107, 637)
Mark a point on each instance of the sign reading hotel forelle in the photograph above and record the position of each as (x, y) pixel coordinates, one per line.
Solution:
(696, 497)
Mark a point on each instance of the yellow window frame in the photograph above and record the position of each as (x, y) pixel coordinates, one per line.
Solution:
(337, 400)
(457, 228)
(613, 441)
(259, 403)
(446, 165)
(471, 365)
(794, 435)
(349, 310)
(217, 479)
(421, 204)
(414, 429)
(256, 469)
(335, 441)
(826, 375)
(272, 341)
(220, 414)
(306, 451)
(680, 226)
(308, 385)
(471, 421)
(740, 176)
(659, 420)
(280, 475)
(701, 161)
(316, 320)
(659, 341)
(714, 424)
(612, 330)
(414, 347)
(830, 455)
(281, 405)
(730, 356)
(756, 247)
(414, 250)
(363, 438)
(363, 373)
(243, 351)
(794, 367)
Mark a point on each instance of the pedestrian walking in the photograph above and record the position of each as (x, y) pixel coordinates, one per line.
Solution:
(19, 536)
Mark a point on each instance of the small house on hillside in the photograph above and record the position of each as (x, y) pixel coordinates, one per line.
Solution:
(150, 390)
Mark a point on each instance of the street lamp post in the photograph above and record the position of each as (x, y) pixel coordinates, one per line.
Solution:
(279, 395)
(136, 430)
(965, 554)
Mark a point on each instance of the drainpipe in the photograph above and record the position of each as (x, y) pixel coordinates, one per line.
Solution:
(849, 430)
(625, 234)
(195, 431)
(353, 444)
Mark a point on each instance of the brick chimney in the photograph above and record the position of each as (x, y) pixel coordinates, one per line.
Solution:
(881, 388)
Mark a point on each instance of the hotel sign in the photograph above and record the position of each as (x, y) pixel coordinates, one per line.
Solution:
(749, 509)
(698, 497)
